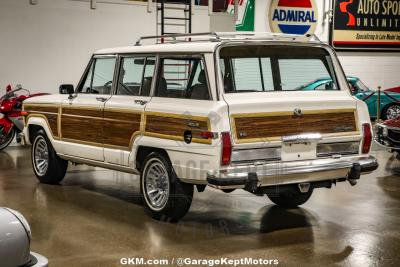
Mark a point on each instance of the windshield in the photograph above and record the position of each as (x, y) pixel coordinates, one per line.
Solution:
(259, 68)
(15, 93)
(362, 86)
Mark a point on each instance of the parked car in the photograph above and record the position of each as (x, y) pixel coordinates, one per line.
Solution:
(15, 239)
(389, 108)
(387, 134)
(219, 111)
(393, 90)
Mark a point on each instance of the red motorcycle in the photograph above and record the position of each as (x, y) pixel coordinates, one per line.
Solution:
(11, 114)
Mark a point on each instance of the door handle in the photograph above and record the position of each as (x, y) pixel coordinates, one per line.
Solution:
(140, 102)
(101, 99)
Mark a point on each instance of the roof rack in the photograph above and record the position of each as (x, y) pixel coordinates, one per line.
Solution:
(219, 36)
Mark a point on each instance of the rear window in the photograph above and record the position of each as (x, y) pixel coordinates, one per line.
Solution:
(276, 68)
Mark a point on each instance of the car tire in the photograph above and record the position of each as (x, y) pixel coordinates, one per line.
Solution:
(390, 111)
(290, 199)
(48, 167)
(165, 197)
(8, 139)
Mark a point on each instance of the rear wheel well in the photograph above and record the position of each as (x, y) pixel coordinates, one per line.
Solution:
(33, 129)
(144, 151)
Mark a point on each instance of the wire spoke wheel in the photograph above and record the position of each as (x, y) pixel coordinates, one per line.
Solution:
(41, 156)
(156, 184)
(393, 112)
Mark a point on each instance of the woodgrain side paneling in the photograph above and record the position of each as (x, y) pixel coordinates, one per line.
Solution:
(41, 109)
(50, 113)
(81, 111)
(120, 127)
(53, 123)
(173, 127)
(254, 127)
(82, 124)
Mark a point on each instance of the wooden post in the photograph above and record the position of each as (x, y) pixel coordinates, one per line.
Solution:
(378, 105)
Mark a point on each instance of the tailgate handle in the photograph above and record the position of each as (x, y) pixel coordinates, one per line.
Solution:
(193, 124)
(302, 138)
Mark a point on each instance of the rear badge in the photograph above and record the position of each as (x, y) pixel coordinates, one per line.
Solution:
(242, 134)
(297, 112)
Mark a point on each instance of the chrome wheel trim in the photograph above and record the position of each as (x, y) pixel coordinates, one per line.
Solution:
(393, 112)
(40, 156)
(156, 184)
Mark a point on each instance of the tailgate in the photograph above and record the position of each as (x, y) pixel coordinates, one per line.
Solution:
(291, 126)
(263, 117)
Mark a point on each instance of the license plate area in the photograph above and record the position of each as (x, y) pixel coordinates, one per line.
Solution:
(299, 147)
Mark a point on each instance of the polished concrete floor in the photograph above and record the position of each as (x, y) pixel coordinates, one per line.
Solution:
(95, 218)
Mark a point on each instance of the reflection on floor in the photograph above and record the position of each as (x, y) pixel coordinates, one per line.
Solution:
(95, 217)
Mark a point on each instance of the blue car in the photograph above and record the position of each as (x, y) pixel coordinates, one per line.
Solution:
(390, 109)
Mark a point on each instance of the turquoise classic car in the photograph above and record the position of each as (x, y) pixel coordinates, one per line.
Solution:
(390, 109)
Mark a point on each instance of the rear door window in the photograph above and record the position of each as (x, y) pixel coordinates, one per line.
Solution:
(135, 75)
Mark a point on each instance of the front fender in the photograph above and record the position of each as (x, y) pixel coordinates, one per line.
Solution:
(5, 125)
(38, 121)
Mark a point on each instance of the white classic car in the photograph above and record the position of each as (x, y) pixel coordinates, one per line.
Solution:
(224, 110)
(15, 241)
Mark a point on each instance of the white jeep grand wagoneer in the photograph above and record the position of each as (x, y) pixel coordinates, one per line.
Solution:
(225, 110)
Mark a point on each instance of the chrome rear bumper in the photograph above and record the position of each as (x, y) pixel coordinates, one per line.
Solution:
(291, 172)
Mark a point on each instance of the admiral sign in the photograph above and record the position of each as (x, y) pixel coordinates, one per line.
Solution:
(293, 17)
(366, 24)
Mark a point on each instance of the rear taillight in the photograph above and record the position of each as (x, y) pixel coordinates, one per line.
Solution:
(226, 148)
(367, 138)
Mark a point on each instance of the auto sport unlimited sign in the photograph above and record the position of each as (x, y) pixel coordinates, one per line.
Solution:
(293, 17)
(366, 24)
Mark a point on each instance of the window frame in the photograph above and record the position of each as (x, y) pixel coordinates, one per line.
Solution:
(180, 56)
(87, 69)
(134, 55)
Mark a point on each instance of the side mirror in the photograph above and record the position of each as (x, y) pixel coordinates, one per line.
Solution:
(66, 89)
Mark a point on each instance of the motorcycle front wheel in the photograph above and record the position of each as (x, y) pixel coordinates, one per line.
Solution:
(5, 140)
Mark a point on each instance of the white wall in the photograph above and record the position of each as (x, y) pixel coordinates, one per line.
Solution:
(44, 45)
(374, 68)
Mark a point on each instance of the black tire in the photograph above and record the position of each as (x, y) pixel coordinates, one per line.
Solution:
(290, 199)
(177, 203)
(387, 111)
(56, 166)
(6, 140)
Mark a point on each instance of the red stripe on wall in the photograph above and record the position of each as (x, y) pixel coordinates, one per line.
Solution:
(295, 3)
